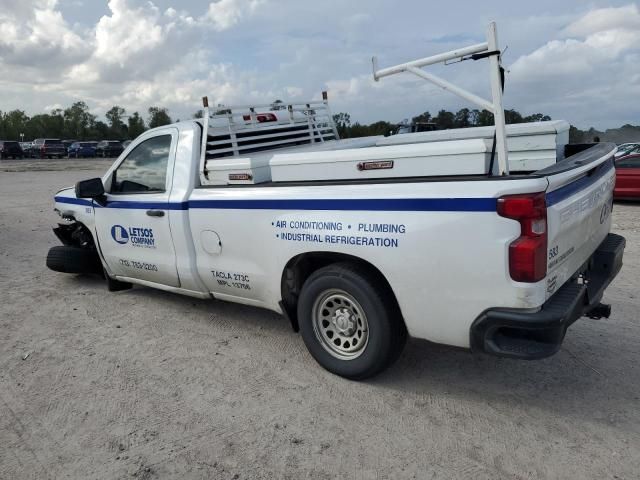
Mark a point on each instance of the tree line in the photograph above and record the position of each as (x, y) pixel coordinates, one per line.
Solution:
(465, 117)
(78, 123)
(443, 120)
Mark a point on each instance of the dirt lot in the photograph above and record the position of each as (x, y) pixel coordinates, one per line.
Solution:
(145, 384)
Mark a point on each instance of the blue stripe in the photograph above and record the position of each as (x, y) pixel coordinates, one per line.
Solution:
(574, 187)
(359, 204)
(126, 204)
(379, 205)
(73, 201)
(147, 205)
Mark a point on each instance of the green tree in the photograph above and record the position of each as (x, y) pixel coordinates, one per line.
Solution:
(158, 116)
(444, 119)
(512, 116)
(576, 135)
(117, 127)
(198, 114)
(100, 131)
(14, 123)
(55, 128)
(537, 117)
(422, 118)
(135, 125)
(381, 128)
(77, 121)
(343, 124)
(462, 118)
(481, 118)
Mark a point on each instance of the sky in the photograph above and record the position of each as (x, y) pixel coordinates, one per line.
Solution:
(572, 59)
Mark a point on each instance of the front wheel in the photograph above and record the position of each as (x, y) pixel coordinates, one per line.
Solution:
(349, 321)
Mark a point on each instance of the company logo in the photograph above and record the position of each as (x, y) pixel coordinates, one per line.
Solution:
(588, 202)
(119, 234)
(604, 213)
(135, 236)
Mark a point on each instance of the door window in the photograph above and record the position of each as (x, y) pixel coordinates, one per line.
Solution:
(628, 163)
(145, 168)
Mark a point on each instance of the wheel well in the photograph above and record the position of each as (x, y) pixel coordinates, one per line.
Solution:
(300, 267)
(75, 234)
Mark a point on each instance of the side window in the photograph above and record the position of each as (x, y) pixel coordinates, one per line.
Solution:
(145, 168)
(629, 163)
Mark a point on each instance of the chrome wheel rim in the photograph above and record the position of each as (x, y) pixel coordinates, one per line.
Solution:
(340, 324)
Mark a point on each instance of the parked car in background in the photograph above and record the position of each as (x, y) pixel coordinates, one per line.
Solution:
(26, 148)
(48, 148)
(627, 178)
(109, 148)
(126, 143)
(82, 150)
(67, 144)
(627, 149)
(414, 127)
(10, 148)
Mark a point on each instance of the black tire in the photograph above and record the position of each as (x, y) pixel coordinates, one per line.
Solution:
(386, 332)
(66, 259)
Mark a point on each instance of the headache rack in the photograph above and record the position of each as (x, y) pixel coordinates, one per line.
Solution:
(246, 130)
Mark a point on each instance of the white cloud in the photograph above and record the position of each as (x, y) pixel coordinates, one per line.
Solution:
(293, 92)
(126, 32)
(35, 32)
(604, 19)
(137, 54)
(224, 14)
(590, 72)
(55, 106)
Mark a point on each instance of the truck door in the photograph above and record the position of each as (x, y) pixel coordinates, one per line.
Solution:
(133, 224)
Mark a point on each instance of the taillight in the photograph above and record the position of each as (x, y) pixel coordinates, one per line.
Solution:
(262, 117)
(527, 253)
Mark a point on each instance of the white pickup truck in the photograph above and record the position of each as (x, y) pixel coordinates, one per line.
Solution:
(358, 242)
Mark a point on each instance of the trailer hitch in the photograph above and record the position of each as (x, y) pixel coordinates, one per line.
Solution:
(601, 310)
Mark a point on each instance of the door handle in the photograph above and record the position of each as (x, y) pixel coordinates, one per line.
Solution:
(155, 213)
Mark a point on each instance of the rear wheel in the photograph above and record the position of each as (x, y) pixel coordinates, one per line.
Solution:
(349, 321)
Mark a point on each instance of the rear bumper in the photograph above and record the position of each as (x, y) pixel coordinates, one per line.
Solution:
(530, 335)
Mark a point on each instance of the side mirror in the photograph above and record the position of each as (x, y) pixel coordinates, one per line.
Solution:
(92, 188)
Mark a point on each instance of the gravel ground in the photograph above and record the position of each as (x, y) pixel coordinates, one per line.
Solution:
(145, 384)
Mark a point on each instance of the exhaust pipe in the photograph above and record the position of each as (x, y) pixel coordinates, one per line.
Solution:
(601, 310)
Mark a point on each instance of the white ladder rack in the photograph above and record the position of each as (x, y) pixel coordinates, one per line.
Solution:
(243, 130)
(488, 49)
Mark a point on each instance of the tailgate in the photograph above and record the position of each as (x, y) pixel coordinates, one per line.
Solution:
(579, 202)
